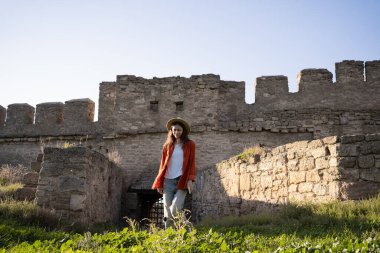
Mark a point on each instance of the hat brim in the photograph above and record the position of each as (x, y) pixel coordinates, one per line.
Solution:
(173, 121)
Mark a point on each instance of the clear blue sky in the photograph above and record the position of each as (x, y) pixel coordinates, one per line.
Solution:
(54, 51)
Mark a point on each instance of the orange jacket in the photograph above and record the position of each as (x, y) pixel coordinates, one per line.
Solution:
(188, 167)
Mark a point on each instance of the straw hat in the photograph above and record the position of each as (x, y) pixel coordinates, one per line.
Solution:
(182, 122)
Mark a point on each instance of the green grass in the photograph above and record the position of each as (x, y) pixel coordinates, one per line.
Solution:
(352, 226)
(250, 152)
(8, 191)
(10, 180)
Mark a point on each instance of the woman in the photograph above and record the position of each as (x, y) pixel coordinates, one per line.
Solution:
(177, 170)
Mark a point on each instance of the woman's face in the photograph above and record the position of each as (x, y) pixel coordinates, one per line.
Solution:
(177, 131)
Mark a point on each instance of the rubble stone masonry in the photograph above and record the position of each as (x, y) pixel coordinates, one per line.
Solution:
(80, 185)
(133, 112)
(314, 171)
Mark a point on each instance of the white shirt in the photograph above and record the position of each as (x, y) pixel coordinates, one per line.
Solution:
(175, 164)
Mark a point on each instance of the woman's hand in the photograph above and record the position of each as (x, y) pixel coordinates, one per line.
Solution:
(190, 186)
(160, 190)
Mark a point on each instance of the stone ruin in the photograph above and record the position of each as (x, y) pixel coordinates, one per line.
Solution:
(320, 170)
(131, 123)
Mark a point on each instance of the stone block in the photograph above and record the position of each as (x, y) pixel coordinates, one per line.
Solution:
(333, 149)
(347, 150)
(30, 179)
(372, 137)
(349, 174)
(293, 188)
(68, 183)
(321, 163)
(318, 152)
(305, 187)
(245, 182)
(346, 162)
(282, 192)
(333, 162)
(306, 163)
(19, 115)
(299, 146)
(313, 176)
(366, 161)
(372, 147)
(77, 202)
(359, 190)
(334, 189)
(296, 197)
(296, 177)
(351, 139)
(372, 174)
(265, 165)
(314, 144)
(331, 174)
(320, 189)
(266, 182)
(329, 140)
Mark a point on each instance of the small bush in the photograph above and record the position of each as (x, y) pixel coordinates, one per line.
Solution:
(12, 174)
(251, 152)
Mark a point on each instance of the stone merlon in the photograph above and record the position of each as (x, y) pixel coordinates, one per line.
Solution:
(135, 105)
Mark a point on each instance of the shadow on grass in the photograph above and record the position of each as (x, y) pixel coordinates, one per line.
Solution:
(23, 221)
(311, 220)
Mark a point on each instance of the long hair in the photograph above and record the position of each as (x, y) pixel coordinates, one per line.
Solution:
(171, 139)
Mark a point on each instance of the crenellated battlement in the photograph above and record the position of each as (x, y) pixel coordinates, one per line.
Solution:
(135, 105)
(133, 112)
(19, 115)
(356, 87)
(48, 119)
(372, 71)
(314, 79)
(271, 87)
(349, 71)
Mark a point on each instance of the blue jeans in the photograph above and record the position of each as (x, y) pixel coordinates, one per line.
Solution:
(173, 200)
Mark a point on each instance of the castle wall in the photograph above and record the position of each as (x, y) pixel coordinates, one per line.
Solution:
(355, 88)
(315, 171)
(134, 105)
(142, 153)
(138, 105)
(74, 117)
(133, 112)
(73, 179)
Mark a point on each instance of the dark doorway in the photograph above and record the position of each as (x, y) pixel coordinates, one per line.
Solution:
(149, 207)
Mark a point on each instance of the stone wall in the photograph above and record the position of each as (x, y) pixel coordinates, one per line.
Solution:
(315, 171)
(135, 105)
(80, 185)
(133, 112)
